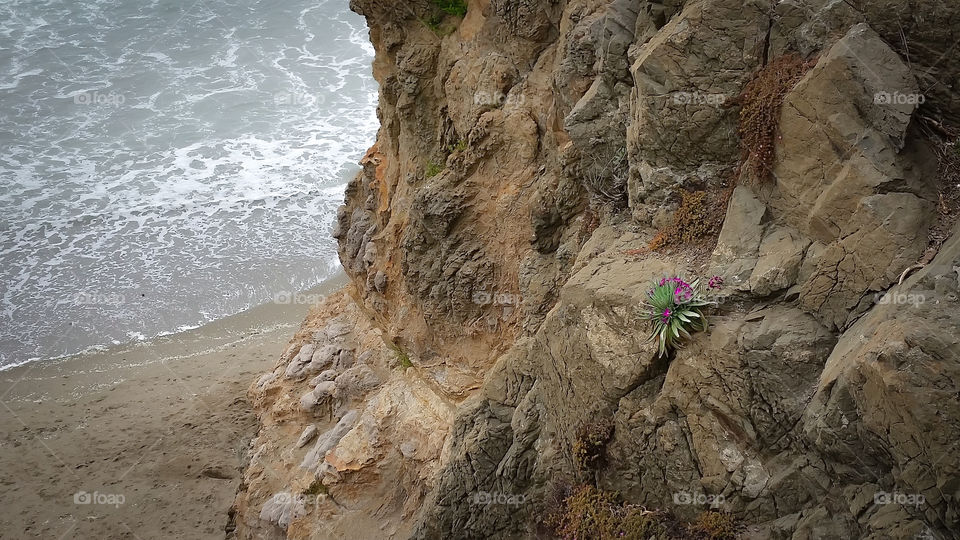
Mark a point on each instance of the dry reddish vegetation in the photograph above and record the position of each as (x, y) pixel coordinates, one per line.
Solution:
(588, 513)
(948, 207)
(697, 220)
(592, 439)
(760, 104)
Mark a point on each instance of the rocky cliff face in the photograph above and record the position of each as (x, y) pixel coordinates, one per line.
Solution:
(498, 243)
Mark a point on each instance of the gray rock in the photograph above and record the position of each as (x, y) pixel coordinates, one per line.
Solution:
(887, 234)
(265, 379)
(344, 360)
(365, 357)
(370, 253)
(886, 401)
(355, 229)
(296, 366)
(737, 248)
(380, 281)
(328, 440)
(798, 423)
(322, 359)
(327, 375)
(310, 401)
(357, 380)
(308, 434)
(862, 199)
(324, 389)
(336, 329)
(925, 45)
(699, 58)
(597, 121)
(781, 253)
(306, 352)
(282, 509)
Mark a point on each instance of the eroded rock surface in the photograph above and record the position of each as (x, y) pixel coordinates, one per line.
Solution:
(496, 240)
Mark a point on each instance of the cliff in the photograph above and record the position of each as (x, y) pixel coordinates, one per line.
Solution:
(539, 164)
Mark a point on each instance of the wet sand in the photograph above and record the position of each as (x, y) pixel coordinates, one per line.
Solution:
(141, 441)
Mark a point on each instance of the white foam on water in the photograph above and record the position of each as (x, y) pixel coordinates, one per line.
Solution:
(171, 170)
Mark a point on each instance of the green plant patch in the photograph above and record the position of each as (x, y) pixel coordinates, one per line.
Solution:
(460, 146)
(457, 8)
(403, 359)
(675, 310)
(316, 488)
(716, 525)
(432, 169)
(589, 513)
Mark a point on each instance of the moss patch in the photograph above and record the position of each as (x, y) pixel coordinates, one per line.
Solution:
(460, 146)
(316, 488)
(441, 10)
(403, 359)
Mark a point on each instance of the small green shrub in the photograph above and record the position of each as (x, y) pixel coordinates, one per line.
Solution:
(433, 169)
(435, 23)
(403, 359)
(587, 513)
(675, 309)
(639, 523)
(457, 8)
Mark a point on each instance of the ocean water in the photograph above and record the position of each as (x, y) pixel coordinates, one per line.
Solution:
(165, 164)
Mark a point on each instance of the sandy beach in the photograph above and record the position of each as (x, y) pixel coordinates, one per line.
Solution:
(141, 441)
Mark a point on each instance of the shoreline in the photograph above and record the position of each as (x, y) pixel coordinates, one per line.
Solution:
(243, 318)
(142, 440)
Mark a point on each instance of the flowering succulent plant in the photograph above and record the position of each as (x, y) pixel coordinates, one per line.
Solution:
(674, 309)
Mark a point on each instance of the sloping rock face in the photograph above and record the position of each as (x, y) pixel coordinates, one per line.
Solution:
(339, 448)
(496, 242)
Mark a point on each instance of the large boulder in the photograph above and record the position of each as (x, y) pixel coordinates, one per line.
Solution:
(850, 178)
(886, 407)
(679, 130)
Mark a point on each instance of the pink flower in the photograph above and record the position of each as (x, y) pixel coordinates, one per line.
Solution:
(676, 280)
(683, 292)
(666, 315)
